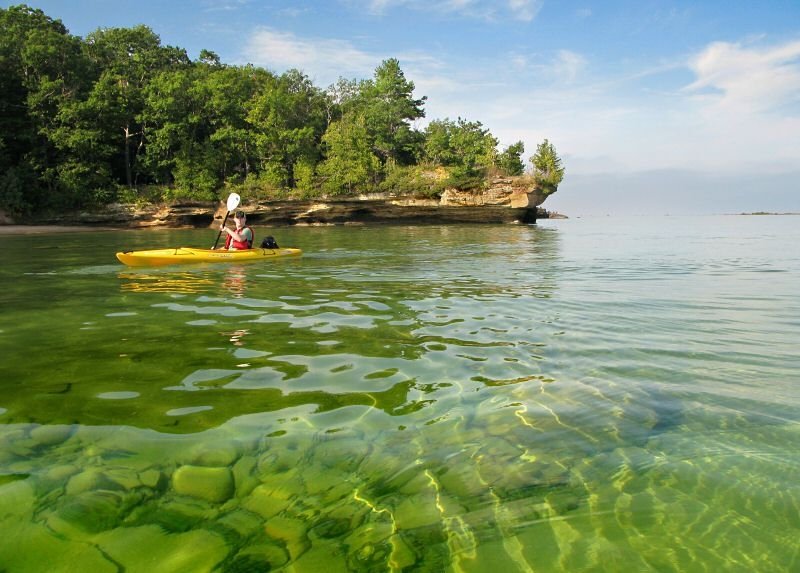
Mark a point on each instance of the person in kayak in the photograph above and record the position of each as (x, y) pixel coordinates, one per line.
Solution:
(241, 237)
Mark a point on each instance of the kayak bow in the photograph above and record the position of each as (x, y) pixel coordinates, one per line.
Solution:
(160, 257)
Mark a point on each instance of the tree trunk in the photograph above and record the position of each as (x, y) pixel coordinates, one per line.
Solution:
(128, 174)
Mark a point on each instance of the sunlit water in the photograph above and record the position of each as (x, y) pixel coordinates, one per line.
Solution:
(580, 395)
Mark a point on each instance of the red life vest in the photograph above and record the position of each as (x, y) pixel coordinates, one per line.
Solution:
(240, 245)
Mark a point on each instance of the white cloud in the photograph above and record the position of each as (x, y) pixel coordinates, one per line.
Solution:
(733, 116)
(225, 6)
(293, 12)
(525, 10)
(458, 4)
(739, 114)
(561, 67)
(380, 6)
(747, 79)
(323, 60)
(519, 61)
(569, 65)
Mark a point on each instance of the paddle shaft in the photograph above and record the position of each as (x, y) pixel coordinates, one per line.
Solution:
(225, 220)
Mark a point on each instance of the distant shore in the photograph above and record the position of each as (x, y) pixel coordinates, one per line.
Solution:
(766, 213)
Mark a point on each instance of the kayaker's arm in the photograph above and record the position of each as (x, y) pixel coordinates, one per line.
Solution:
(235, 235)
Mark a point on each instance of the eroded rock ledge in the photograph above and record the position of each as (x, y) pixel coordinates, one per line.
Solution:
(507, 200)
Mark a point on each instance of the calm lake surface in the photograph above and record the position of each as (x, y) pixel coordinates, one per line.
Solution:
(580, 395)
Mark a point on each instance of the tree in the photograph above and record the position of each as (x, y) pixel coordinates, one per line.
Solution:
(42, 75)
(128, 60)
(79, 118)
(547, 169)
(389, 106)
(510, 160)
(179, 150)
(229, 89)
(350, 163)
(341, 97)
(464, 146)
(288, 118)
(209, 58)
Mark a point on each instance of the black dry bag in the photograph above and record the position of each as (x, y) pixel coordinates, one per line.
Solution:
(269, 243)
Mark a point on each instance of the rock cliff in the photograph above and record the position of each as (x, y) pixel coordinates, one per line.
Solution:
(506, 200)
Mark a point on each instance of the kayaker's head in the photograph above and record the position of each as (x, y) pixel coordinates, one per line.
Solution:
(240, 218)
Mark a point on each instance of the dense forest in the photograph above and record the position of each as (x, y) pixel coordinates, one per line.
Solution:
(118, 117)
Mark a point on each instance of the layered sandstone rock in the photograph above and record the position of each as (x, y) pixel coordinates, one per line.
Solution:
(506, 200)
(515, 192)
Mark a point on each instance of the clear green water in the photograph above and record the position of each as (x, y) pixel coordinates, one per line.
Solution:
(582, 395)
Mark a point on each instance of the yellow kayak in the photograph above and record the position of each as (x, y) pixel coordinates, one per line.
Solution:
(159, 257)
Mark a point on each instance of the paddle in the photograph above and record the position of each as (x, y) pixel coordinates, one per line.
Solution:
(233, 202)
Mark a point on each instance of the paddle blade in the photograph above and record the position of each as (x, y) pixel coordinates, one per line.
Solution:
(233, 201)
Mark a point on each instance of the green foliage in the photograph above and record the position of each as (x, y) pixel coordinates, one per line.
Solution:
(412, 180)
(229, 89)
(14, 181)
(117, 115)
(305, 179)
(547, 168)
(81, 185)
(142, 195)
(510, 160)
(128, 61)
(210, 58)
(41, 70)
(465, 179)
(195, 176)
(256, 187)
(288, 120)
(388, 106)
(350, 164)
(464, 147)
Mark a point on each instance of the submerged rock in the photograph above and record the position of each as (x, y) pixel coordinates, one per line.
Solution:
(89, 480)
(33, 547)
(151, 478)
(89, 512)
(210, 455)
(244, 523)
(51, 435)
(292, 532)
(243, 475)
(322, 557)
(16, 499)
(261, 557)
(211, 484)
(263, 502)
(149, 548)
(417, 511)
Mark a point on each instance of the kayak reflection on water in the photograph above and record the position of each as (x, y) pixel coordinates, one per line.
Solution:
(236, 336)
(235, 282)
(178, 283)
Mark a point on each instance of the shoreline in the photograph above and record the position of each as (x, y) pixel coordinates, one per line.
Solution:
(52, 229)
(44, 229)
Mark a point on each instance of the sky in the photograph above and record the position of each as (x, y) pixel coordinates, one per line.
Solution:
(655, 107)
